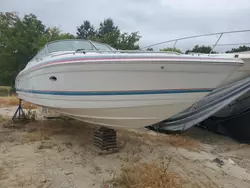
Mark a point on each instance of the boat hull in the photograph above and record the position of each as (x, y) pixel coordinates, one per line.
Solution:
(242, 103)
(127, 93)
(241, 73)
(116, 111)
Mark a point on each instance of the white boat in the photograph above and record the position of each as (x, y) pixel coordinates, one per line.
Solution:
(242, 72)
(230, 99)
(94, 83)
(242, 103)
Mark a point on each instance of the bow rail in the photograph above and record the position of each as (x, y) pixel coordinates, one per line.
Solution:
(204, 35)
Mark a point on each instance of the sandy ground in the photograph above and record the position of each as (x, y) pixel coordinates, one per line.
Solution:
(60, 153)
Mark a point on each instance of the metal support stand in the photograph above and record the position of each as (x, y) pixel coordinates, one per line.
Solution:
(19, 114)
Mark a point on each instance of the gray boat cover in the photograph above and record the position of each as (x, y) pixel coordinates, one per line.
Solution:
(206, 107)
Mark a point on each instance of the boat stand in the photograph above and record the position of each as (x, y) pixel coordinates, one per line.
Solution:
(19, 114)
(105, 140)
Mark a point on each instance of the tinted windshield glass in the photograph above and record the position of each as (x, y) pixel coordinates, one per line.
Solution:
(69, 45)
(101, 47)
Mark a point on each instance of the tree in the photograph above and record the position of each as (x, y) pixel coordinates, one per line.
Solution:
(54, 33)
(110, 34)
(20, 39)
(171, 50)
(201, 49)
(239, 49)
(19, 43)
(8, 21)
(66, 36)
(107, 27)
(85, 30)
(128, 41)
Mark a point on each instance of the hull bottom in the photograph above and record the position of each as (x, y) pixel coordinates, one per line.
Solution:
(135, 116)
(130, 117)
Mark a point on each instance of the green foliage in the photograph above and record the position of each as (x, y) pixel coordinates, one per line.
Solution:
(5, 90)
(110, 34)
(18, 43)
(108, 27)
(20, 39)
(128, 41)
(171, 50)
(201, 49)
(85, 30)
(239, 49)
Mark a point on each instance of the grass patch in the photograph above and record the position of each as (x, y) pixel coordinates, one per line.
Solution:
(176, 140)
(14, 101)
(5, 91)
(183, 142)
(5, 87)
(2, 118)
(39, 135)
(153, 175)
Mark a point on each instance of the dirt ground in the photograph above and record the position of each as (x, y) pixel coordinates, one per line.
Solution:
(60, 153)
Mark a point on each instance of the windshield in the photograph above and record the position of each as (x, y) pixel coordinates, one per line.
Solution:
(102, 47)
(74, 45)
(70, 45)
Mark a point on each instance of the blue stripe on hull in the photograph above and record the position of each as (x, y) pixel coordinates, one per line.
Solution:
(98, 93)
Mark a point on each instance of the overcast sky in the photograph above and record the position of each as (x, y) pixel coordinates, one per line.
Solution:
(156, 20)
